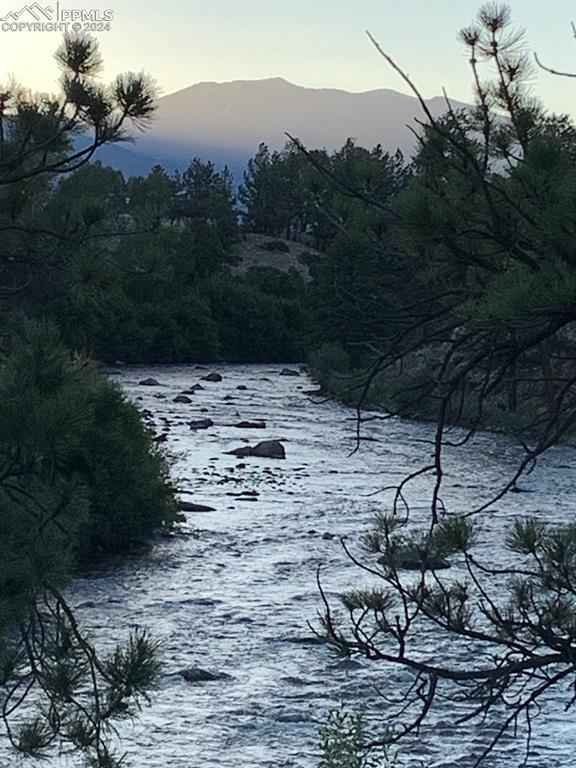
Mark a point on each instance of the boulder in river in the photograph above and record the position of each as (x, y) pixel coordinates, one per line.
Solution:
(201, 424)
(269, 449)
(149, 382)
(259, 424)
(212, 377)
(289, 372)
(182, 399)
(242, 452)
(243, 387)
(190, 506)
(198, 675)
(192, 389)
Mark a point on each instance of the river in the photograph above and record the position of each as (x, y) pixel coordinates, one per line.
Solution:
(237, 596)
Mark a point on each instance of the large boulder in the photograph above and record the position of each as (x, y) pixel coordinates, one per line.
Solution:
(149, 382)
(182, 399)
(212, 377)
(242, 452)
(269, 449)
(198, 675)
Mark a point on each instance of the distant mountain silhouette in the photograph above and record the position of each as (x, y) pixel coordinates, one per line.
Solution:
(225, 122)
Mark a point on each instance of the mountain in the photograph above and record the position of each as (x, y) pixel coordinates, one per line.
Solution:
(225, 122)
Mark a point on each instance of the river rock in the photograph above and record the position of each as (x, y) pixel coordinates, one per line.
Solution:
(269, 449)
(251, 424)
(192, 389)
(292, 680)
(242, 452)
(182, 399)
(304, 640)
(149, 382)
(201, 424)
(289, 372)
(190, 506)
(243, 387)
(348, 665)
(212, 377)
(198, 675)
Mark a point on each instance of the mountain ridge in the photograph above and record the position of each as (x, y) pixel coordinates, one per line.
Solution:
(226, 121)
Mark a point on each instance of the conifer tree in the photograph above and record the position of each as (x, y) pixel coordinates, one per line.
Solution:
(79, 474)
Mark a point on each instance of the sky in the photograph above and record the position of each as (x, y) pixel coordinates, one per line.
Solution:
(314, 43)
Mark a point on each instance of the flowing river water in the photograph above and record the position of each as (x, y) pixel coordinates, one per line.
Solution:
(237, 597)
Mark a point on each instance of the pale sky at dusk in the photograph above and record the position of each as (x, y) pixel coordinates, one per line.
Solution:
(316, 43)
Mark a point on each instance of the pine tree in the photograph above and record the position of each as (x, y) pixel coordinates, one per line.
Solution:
(487, 225)
(79, 474)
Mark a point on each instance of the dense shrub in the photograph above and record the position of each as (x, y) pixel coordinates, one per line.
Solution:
(80, 474)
